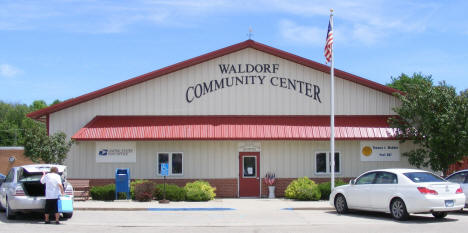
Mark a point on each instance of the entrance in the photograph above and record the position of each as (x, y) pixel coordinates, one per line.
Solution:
(249, 177)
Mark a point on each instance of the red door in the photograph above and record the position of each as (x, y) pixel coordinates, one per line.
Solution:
(249, 177)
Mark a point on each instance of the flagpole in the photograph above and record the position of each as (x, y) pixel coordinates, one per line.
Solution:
(332, 112)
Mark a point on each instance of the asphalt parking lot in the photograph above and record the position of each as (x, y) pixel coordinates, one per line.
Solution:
(256, 215)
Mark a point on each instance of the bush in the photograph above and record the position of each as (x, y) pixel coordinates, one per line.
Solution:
(132, 187)
(173, 192)
(303, 189)
(325, 188)
(144, 191)
(199, 191)
(104, 193)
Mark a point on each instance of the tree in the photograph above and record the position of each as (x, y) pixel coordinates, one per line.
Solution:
(49, 149)
(11, 117)
(404, 82)
(436, 119)
(37, 104)
(13, 121)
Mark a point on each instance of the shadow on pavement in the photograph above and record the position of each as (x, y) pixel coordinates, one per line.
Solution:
(460, 213)
(28, 218)
(413, 219)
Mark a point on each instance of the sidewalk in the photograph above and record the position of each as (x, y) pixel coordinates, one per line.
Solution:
(220, 204)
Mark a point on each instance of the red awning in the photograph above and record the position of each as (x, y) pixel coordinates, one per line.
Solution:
(234, 128)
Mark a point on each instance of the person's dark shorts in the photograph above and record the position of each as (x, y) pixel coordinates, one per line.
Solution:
(51, 206)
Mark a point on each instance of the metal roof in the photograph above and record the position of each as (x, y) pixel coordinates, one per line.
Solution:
(234, 128)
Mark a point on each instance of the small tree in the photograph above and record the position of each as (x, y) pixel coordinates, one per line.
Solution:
(436, 119)
(49, 149)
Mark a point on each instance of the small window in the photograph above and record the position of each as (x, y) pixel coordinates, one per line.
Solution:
(323, 162)
(175, 161)
(366, 178)
(423, 177)
(162, 158)
(459, 178)
(386, 178)
(11, 175)
(250, 165)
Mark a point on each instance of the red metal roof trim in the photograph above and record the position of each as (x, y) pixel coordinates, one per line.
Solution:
(206, 57)
(234, 128)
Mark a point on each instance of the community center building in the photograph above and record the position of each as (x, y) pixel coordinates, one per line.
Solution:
(229, 117)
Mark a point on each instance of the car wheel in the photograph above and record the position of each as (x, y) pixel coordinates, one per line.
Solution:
(67, 215)
(340, 204)
(439, 215)
(398, 209)
(9, 214)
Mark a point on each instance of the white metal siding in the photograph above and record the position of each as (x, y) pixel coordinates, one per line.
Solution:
(204, 159)
(201, 159)
(219, 159)
(166, 95)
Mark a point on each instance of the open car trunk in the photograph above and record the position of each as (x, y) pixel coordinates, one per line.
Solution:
(32, 185)
(34, 188)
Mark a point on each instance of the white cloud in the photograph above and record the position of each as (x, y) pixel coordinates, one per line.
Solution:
(365, 34)
(9, 71)
(303, 34)
(353, 18)
(104, 16)
(364, 22)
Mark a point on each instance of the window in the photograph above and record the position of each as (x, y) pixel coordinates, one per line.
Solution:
(175, 161)
(250, 165)
(386, 178)
(423, 177)
(11, 175)
(366, 178)
(323, 162)
(460, 178)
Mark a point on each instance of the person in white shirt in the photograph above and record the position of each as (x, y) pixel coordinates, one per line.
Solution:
(54, 188)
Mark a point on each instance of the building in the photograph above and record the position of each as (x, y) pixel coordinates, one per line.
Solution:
(12, 156)
(229, 117)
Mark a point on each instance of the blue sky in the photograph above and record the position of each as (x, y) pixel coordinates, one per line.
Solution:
(63, 49)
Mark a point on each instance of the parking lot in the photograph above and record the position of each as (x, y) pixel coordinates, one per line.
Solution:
(256, 215)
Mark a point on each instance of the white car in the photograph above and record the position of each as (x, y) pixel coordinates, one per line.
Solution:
(23, 192)
(399, 192)
(461, 177)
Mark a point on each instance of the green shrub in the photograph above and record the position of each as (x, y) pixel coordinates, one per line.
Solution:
(104, 193)
(173, 192)
(144, 191)
(199, 191)
(325, 188)
(132, 187)
(303, 189)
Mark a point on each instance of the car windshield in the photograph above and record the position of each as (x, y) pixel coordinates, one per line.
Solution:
(422, 177)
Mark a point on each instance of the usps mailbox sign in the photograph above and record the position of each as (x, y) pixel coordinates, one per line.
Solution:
(164, 169)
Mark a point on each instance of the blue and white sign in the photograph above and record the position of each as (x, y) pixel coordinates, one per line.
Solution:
(164, 169)
(380, 151)
(115, 152)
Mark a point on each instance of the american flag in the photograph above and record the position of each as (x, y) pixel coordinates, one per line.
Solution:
(329, 44)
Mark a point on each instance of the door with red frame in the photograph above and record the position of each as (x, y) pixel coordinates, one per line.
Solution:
(249, 177)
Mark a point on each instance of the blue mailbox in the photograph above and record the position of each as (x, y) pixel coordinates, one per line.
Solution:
(122, 182)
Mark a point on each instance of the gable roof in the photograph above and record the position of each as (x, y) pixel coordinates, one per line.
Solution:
(203, 58)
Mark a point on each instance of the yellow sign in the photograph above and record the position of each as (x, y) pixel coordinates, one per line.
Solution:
(367, 151)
